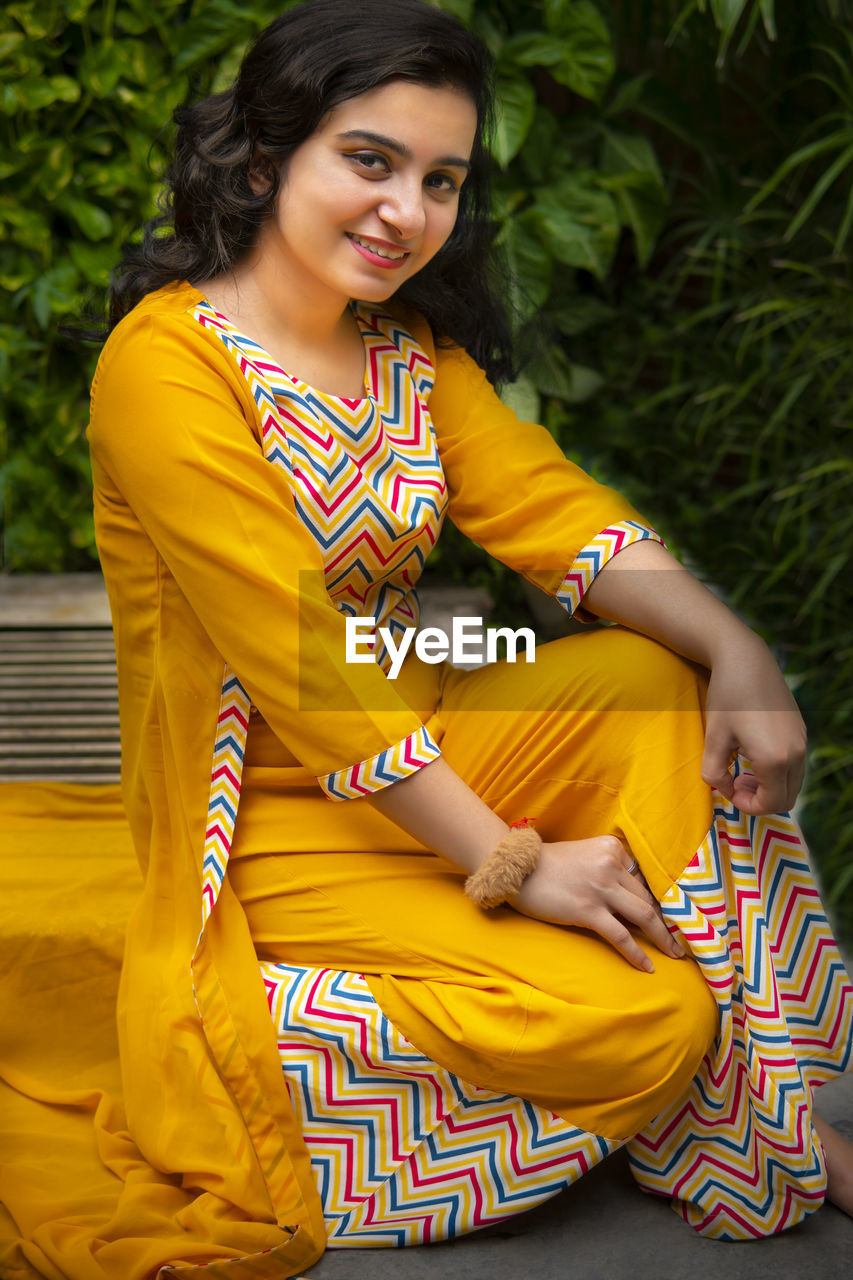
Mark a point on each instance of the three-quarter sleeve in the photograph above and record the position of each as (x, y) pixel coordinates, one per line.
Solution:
(512, 490)
(173, 431)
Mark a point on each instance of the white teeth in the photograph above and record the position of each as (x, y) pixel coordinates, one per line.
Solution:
(394, 255)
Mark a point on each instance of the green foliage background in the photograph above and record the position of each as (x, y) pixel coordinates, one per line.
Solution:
(674, 201)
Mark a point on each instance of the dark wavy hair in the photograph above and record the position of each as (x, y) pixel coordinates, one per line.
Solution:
(306, 62)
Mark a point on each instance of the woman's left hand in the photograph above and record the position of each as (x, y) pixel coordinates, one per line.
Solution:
(750, 710)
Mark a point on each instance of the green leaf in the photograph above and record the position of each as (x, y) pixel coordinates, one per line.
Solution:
(35, 94)
(819, 190)
(16, 271)
(93, 221)
(523, 398)
(56, 169)
(94, 262)
(636, 182)
(76, 10)
(529, 264)
(533, 49)
(585, 382)
(461, 9)
(642, 205)
(582, 313)
(844, 228)
(630, 152)
(840, 137)
(54, 292)
(31, 17)
(101, 68)
(727, 14)
(578, 222)
(219, 24)
(10, 41)
(627, 95)
(768, 17)
(516, 102)
(588, 62)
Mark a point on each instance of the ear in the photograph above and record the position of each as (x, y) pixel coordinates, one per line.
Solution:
(260, 174)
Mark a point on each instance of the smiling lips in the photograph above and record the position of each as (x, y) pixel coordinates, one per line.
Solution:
(381, 255)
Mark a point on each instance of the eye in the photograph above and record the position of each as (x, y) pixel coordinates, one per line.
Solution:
(370, 162)
(443, 183)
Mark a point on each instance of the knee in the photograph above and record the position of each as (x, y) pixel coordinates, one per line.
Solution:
(687, 1027)
(620, 670)
(635, 673)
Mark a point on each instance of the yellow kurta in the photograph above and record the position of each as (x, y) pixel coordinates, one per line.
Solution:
(207, 563)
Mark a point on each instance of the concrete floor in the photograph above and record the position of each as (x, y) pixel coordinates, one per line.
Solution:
(605, 1228)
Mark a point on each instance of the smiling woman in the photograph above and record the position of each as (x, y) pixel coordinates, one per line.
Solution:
(413, 1013)
(363, 204)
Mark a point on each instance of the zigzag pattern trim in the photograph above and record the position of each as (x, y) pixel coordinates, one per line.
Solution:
(738, 1153)
(381, 770)
(404, 1152)
(595, 555)
(229, 749)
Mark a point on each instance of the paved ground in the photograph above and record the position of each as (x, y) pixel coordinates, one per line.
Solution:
(604, 1228)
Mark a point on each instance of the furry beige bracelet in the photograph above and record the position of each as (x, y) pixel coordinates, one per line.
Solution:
(507, 866)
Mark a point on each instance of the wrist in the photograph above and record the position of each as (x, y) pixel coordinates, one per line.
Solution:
(732, 638)
(501, 875)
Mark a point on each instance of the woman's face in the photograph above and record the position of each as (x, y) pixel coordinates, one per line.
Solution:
(372, 195)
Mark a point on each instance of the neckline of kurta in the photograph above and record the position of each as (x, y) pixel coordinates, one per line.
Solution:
(281, 380)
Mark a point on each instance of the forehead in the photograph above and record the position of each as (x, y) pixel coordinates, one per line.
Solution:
(420, 116)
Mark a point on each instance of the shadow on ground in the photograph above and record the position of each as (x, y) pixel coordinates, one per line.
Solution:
(605, 1228)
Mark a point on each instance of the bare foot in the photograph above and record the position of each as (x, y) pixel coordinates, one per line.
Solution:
(839, 1165)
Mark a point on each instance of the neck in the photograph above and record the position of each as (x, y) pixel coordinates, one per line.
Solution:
(257, 293)
(311, 334)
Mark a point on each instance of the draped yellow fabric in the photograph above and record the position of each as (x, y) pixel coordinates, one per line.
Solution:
(80, 1198)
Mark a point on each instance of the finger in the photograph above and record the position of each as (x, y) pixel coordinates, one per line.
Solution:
(620, 937)
(765, 791)
(796, 777)
(640, 908)
(716, 764)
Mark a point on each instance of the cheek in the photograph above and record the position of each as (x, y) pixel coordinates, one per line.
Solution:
(444, 223)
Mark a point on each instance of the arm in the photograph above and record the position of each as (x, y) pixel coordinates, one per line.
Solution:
(576, 539)
(749, 707)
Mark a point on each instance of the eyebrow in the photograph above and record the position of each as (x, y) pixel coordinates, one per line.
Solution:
(400, 148)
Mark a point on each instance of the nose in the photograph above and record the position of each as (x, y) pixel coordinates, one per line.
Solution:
(403, 208)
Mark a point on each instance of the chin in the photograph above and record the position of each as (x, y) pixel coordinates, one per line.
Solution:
(378, 292)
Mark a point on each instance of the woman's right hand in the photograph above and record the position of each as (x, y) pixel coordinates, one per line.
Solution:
(589, 884)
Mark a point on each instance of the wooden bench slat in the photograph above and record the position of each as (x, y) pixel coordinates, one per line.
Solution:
(58, 699)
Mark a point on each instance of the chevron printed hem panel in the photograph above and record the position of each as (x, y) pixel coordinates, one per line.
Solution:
(595, 555)
(404, 1152)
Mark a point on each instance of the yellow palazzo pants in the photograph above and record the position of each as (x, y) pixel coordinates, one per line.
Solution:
(603, 734)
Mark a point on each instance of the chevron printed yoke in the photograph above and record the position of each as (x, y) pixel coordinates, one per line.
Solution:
(365, 474)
